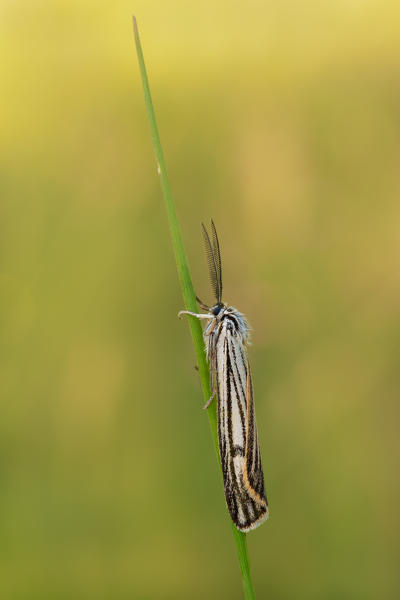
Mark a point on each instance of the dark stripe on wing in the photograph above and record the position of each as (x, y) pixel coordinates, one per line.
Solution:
(239, 403)
(253, 461)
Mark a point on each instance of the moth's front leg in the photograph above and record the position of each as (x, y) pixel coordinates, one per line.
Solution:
(198, 316)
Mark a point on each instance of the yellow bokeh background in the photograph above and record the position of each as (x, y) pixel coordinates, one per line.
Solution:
(280, 120)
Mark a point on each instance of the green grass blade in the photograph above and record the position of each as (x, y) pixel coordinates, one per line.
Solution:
(188, 296)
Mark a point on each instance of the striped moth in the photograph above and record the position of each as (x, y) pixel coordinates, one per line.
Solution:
(226, 337)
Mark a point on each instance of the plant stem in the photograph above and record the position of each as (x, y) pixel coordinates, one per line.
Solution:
(189, 297)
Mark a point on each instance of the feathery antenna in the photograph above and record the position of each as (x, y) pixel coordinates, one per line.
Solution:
(214, 260)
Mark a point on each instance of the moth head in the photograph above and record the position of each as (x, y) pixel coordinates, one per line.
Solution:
(216, 310)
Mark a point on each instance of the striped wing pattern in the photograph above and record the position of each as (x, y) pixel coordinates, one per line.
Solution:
(237, 430)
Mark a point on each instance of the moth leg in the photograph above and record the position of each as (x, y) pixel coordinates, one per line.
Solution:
(213, 391)
(201, 304)
(198, 316)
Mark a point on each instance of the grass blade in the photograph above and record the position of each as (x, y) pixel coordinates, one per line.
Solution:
(189, 297)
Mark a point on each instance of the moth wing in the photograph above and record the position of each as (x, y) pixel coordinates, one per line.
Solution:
(253, 476)
(237, 434)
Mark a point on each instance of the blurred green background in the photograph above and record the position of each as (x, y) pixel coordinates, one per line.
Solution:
(281, 121)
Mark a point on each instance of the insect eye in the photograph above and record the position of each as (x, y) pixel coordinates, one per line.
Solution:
(216, 310)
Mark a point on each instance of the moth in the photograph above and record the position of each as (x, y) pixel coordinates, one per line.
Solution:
(226, 337)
